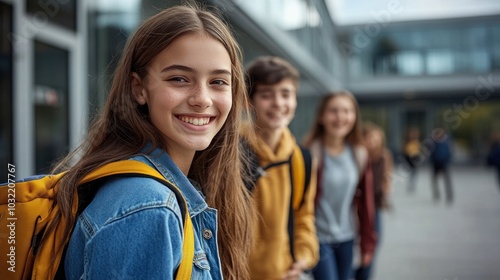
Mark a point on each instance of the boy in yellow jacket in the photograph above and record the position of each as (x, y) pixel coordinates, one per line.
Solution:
(272, 88)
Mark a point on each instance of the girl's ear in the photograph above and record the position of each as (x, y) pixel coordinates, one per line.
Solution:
(138, 89)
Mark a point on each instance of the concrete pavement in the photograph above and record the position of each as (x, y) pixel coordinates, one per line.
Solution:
(427, 240)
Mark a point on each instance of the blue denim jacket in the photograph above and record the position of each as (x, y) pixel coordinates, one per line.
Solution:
(132, 229)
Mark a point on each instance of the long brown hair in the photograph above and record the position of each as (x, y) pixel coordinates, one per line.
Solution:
(318, 132)
(122, 129)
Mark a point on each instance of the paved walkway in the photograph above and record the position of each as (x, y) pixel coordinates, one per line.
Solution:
(427, 240)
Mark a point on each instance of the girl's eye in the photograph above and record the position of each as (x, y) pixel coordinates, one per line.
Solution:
(220, 82)
(178, 79)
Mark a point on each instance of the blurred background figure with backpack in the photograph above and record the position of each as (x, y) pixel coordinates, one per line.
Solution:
(440, 158)
(411, 152)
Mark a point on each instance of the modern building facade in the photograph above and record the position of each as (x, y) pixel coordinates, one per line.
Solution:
(57, 58)
(426, 73)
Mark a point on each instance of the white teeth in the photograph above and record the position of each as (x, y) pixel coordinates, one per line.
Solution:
(195, 121)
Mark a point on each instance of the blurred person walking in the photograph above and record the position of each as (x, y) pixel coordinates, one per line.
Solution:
(440, 159)
(285, 236)
(381, 162)
(345, 185)
(411, 153)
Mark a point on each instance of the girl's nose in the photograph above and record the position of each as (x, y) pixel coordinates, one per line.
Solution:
(200, 97)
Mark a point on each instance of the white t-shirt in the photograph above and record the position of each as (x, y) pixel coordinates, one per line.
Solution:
(334, 216)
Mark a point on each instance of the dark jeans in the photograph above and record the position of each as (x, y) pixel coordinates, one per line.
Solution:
(442, 170)
(335, 261)
(363, 272)
(411, 164)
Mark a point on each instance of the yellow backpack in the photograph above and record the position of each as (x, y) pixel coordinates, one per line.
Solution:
(300, 163)
(26, 207)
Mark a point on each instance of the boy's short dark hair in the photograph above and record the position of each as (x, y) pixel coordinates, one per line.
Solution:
(269, 70)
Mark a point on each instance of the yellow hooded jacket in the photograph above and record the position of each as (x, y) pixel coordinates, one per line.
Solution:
(271, 258)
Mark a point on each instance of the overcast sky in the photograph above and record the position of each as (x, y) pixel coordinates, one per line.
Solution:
(359, 11)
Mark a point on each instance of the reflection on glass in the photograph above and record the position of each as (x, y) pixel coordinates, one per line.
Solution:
(298, 19)
(410, 63)
(5, 90)
(285, 14)
(440, 62)
(110, 23)
(51, 105)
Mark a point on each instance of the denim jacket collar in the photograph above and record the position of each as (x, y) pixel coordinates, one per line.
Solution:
(162, 161)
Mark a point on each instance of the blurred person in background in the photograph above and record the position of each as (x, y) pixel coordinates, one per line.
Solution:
(345, 187)
(411, 153)
(381, 163)
(285, 237)
(494, 154)
(440, 158)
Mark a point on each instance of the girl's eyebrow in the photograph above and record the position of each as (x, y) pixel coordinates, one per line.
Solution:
(189, 69)
(221, 72)
(177, 67)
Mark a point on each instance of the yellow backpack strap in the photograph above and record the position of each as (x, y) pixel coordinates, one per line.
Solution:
(298, 173)
(300, 176)
(131, 167)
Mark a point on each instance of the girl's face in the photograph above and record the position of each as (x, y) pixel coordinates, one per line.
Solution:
(275, 105)
(339, 117)
(188, 92)
(373, 142)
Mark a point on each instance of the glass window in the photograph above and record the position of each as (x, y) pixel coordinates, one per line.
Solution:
(495, 47)
(110, 24)
(461, 61)
(475, 37)
(300, 20)
(5, 90)
(440, 38)
(480, 61)
(285, 14)
(385, 64)
(356, 67)
(410, 63)
(417, 39)
(440, 62)
(62, 13)
(51, 105)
